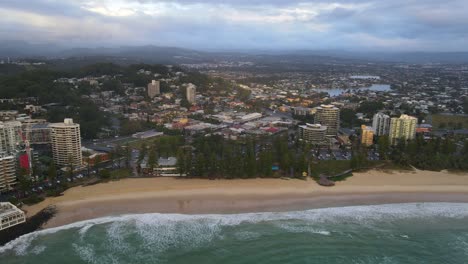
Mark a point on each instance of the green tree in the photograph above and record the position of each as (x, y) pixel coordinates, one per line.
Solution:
(105, 174)
(465, 106)
(52, 172)
(383, 146)
(152, 159)
(97, 162)
(24, 181)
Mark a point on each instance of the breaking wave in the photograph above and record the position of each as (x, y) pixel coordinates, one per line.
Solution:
(159, 233)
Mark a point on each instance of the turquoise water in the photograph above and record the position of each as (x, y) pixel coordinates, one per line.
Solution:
(398, 233)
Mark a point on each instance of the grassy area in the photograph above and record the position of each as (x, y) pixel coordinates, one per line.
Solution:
(120, 174)
(329, 167)
(444, 121)
(391, 166)
(334, 167)
(342, 177)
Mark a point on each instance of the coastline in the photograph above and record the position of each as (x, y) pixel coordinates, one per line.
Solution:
(195, 196)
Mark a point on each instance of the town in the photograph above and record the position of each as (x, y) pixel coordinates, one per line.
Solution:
(106, 121)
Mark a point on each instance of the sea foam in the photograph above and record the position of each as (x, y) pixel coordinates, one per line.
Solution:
(161, 231)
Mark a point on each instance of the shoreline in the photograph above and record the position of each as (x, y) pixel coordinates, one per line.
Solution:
(195, 196)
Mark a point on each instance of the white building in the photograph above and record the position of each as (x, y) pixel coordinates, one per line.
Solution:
(191, 93)
(10, 136)
(381, 124)
(167, 167)
(403, 127)
(10, 216)
(66, 143)
(153, 89)
(7, 173)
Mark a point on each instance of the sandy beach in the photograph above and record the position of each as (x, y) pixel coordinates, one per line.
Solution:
(194, 196)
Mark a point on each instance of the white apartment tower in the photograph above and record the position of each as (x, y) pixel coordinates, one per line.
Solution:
(153, 89)
(66, 143)
(381, 124)
(329, 116)
(191, 92)
(7, 173)
(403, 127)
(10, 136)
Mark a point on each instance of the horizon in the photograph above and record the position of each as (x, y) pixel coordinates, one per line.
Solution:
(354, 26)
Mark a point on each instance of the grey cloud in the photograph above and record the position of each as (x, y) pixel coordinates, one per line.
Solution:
(427, 23)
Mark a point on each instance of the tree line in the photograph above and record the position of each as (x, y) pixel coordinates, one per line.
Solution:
(216, 157)
(433, 154)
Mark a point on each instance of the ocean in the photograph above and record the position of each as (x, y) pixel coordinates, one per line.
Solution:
(394, 233)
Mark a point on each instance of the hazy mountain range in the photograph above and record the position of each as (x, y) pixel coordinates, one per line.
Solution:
(157, 54)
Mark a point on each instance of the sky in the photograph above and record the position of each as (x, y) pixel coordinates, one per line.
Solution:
(360, 25)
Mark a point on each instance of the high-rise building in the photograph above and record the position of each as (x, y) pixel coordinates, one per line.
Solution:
(10, 136)
(367, 136)
(153, 89)
(191, 92)
(381, 124)
(7, 173)
(37, 131)
(403, 127)
(314, 134)
(329, 116)
(66, 143)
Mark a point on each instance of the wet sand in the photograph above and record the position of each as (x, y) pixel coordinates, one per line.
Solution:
(195, 196)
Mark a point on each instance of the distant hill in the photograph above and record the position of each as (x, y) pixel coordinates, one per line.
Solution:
(157, 54)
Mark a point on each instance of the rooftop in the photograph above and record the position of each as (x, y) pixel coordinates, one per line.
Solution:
(8, 208)
(171, 161)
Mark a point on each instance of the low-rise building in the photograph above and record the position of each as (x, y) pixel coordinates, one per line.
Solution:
(10, 216)
(167, 167)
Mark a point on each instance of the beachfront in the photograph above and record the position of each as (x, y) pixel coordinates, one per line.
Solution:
(194, 196)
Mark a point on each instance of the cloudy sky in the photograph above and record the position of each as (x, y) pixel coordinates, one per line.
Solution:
(397, 25)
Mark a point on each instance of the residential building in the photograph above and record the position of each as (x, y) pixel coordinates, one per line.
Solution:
(7, 173)
(8, 115)
(250, 117)
(367, 135)
(314, 134)
(10, 136)
(37, 131)
(153, 89)
(381, 124)
(303, 111)
(66, 143)
(403, 127)
(329, 116)
(10, 216)
(191, 93)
